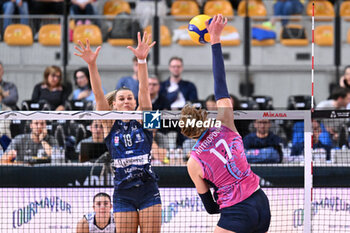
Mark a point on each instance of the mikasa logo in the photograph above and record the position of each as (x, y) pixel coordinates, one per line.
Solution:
(272, 114)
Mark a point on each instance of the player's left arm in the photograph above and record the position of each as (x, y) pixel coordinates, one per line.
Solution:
(141, 52)
(195, 172)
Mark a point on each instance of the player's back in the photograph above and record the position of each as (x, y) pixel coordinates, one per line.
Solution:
(221, 154)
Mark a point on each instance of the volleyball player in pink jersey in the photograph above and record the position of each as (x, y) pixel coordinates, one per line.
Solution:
(218, 158)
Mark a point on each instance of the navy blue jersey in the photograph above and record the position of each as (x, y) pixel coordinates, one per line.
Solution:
(130, 148)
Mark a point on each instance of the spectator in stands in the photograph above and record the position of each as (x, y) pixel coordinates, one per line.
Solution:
(210, 103)
(82, 81)
(130, 82)
(101, 220)
(298, 148)
(178, 91)
(9, 91)
(339, 99)
(35, 144)
(96, 134)
(9, 7)
(51, 89)
(287, 8)
(263, 146)
(82, 7)
(159, 101)
(44, 7)
(344, 80)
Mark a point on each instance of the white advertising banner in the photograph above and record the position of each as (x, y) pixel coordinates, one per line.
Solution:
(59, 209)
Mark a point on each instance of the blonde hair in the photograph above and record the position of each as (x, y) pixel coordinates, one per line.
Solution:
(110, 97)
(188, 113)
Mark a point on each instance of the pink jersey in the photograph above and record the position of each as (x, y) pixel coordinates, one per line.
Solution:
(220, 153)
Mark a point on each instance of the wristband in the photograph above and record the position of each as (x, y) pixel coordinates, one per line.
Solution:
(141, 61)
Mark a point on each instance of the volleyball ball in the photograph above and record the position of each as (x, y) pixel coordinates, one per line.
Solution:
(197, 29)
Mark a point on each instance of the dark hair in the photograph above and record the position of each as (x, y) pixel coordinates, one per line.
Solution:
(50, 70)
(85, 70)
(339, 92)
(102, 195)
(236, 102)
(210, 98)
(176, 58)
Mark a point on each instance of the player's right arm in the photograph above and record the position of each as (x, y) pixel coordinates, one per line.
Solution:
(83, 226)
(223, 100)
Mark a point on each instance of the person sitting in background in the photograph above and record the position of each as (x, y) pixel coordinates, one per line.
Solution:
(339, 99)
(101, 220)
(51, 89)
(82, 7)
(298, 148)
(263, 146)
(44, 7)
(178, 91)
(96, 134)
(159, 101)
(344, 80)
(9, 91)
(130, 82)
(210, 103)
(9, 7)
(37, 144)
(287, 8)
(82, 81)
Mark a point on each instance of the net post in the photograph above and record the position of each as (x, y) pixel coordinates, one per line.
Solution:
(307, 171)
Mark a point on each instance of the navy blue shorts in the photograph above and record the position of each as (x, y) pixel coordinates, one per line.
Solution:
(251, 215)
(136, 198)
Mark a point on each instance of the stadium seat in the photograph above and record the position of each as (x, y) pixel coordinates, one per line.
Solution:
(345, 10)
(299, 102)
(267, 42)
(91, 32)
(256, 9)
(264, 102)
(115, 7)
(182, 37)
(184, 9)
(324, 10)
(303, 41)
(223, 7)
(28, 105)
(165, 35)
(50, 35)
(324, 35)
(230, 36)
(18, 34)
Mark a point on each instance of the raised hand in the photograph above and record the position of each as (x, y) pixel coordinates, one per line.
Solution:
(215, 27)
(143, 46)
(86, 53)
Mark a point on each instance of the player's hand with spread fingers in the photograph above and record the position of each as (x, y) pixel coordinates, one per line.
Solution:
(86, 53)
(215, 27)
(143, 46)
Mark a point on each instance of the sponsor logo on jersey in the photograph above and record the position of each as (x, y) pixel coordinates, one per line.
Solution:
(116, 140)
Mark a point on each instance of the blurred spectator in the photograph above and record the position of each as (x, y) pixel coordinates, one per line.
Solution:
(145, 10)
(344, 80)
(45, 7)
(263, 146)
(130, 82)
(287, 8)
(210, 103)
(339, 99)
(9, 91)
(298, 148)
(175, 89)
(159, 154)
(9, 7)
(101, 218)
(82, 81)
(242, 126)
(96, 129)
(51, 89)
(82, 7)
(35, 144)
(159, 102)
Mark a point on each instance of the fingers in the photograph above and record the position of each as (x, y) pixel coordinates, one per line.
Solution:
(87, 43)
(138, 38)
(79, 50)
(81, 45)
(98, 50)
(76, 54)
(151, 45)
(131, 48)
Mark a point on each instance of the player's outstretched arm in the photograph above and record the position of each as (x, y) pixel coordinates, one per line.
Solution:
(90, 57)
(141, 52)
(223, 101)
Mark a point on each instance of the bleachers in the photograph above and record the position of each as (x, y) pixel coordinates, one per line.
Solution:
(273, 62)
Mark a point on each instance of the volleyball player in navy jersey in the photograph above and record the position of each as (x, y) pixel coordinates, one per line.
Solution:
(136, 198)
